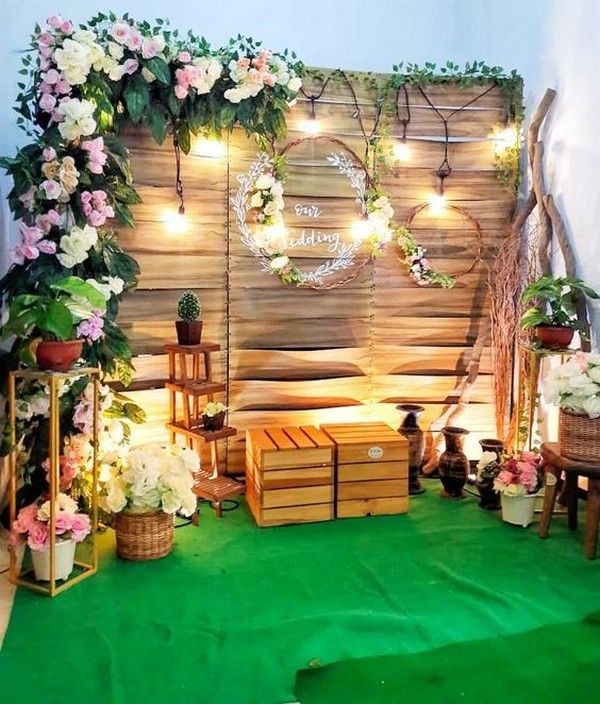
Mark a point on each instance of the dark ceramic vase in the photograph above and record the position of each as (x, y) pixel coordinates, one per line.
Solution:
(416, 444)
(489, 499)
(453, 465)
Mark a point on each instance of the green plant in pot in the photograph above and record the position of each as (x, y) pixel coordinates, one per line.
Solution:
(553, 315)
(59, 317)
(213, 416)
(189, 328)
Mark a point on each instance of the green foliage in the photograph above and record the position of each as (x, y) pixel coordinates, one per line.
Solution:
(555, 301)
(189, 307)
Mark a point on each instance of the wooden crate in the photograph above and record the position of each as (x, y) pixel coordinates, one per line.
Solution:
(289, 475)
(371, 469)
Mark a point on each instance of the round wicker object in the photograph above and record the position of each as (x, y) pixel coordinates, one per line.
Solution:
(144, 536)
(579, 436)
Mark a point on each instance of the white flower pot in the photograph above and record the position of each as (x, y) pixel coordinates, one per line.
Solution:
(64, 554)
(518, 510)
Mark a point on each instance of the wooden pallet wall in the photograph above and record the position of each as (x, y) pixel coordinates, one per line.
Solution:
(296, 356)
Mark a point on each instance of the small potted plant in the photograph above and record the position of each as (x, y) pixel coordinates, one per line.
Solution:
(55, 317)
(575, 388)
(213, 416)
(143, 491)
(518, 479)
(70, 527)
(554, 313)
(189, 328)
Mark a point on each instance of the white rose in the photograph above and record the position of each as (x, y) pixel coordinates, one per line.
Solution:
(234, 95)
(264, 182)
(256, 201)
(115, 430)
(78, 119)
(280, 262)
(115, 50)
(294, 84)
(74, 60)
(591, 406)
(115, 282)
(75, 245)
(270, 208)
(277, 189)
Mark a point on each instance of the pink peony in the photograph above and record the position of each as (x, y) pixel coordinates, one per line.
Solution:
(62, 522)
(80, 526)
(507, 477)
(38, 538)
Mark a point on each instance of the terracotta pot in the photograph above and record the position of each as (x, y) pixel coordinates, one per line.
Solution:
(214, 423)
(416, 444)
(453, 465)
(489, 499)
(189, 333)
(554, 336)
(58, 356)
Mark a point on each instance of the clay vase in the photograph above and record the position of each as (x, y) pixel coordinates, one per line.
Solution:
(416, 444)
(554, 337)
(58, 356)
(489, 499)
(453, 465)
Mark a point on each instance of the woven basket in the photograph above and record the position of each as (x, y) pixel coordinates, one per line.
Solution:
(579, 436)
(144, 536)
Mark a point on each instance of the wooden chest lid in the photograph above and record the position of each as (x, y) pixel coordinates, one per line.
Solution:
(289, 446)
(366, 442)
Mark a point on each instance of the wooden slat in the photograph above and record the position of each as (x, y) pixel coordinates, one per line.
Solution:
(372, 507)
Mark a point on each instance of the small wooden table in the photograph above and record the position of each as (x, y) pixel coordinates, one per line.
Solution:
(556, 464)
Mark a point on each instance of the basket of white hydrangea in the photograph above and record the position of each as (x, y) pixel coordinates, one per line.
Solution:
(575, 388)
(144, 491)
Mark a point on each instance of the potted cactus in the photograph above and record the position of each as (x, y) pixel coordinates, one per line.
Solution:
(189, 328)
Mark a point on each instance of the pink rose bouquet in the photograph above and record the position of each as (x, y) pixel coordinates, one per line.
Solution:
(519, 474)
(33, 523)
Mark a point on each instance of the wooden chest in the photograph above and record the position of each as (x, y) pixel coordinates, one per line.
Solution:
(371, 469)
(289, 475)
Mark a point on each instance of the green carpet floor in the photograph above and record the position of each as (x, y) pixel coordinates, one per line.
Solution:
(236, 611)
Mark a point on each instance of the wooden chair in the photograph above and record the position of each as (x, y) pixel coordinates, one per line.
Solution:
(556, 464)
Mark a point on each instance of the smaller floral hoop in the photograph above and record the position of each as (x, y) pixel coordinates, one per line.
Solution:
(429, 275)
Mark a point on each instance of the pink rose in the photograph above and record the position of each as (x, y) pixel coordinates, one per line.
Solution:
(53, 216)
(66, 27)
(54, 21)
(62, 522)
(25, 518)
(130, 66)
(38, 538)
(506, 477)
(62, 87)
(149, 48)
(46, 52)
(47, 247)
(80, 527)
(120, 31)
(51, 189)
(45, 39)
(52, 76)
(184, 56)
(28, 198)
(49, 154)
(254, 76)
(181, 92)
(47, 102)
(45, 87)
(135, 40)
(269, 79)
(244, 62)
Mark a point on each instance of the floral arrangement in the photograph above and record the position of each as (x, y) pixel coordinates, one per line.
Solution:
(514, 475)
(213, 408)
(415, 258)
(150, 478)
(575, 385)
(73, 180)
(33, 523)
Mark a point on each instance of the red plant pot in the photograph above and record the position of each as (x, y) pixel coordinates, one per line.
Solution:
(554, 336)
(58, 356)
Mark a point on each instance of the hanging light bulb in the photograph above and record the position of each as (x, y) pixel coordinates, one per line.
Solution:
(175, 221)
(437, 203)
(311, 124)
(361, 229)
(504, 139)
(401, 150)
(210, 148)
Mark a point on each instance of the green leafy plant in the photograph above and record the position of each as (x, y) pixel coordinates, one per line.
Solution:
(555, 301)
(53, 315)
(189, 307)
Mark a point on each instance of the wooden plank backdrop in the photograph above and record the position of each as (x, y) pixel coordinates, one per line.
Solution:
(296, 356)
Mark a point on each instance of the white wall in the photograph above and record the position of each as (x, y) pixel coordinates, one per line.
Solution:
(553, 43)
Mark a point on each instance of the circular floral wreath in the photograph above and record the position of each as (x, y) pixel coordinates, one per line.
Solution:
(258, 205)
(414, 255)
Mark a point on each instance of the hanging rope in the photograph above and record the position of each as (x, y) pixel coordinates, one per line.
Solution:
(407, 116)
(178, 181)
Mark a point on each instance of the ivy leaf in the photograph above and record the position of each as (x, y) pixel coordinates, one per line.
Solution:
(158, 117)
(183, 137)
(160, 68)
(137, 97)
(123, 214)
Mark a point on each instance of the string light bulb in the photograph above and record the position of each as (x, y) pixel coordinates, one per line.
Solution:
(311, 125)
(504, 139)
(175, 221)
(401, 150)
(437, 203)
(210, 148)
(361, 229)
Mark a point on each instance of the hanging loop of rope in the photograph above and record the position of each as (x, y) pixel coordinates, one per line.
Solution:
(178, 181)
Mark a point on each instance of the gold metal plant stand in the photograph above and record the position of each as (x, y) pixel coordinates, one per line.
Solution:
(81, 569)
